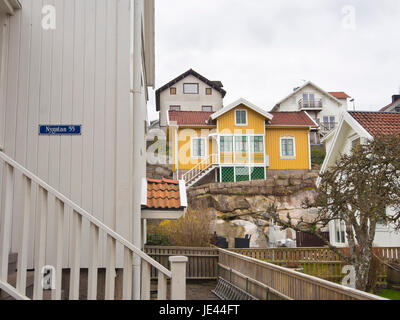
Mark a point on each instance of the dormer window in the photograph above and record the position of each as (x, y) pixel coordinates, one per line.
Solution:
(397, 109)
(191, 88)
(241, 117)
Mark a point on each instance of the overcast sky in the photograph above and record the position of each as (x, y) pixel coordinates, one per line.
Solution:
(262, 49)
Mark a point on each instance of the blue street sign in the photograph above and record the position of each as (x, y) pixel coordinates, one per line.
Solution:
(60, 130)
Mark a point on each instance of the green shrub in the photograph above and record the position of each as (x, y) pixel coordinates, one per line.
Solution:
(318, 156)
(158, 239)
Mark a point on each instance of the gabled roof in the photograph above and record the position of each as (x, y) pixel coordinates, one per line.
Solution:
(237, 103)
(378, 123)
(164, 194)
(366, 124)
(217, 85)
(395, 103)
(301, 88)
(299, 118)
(195, 118)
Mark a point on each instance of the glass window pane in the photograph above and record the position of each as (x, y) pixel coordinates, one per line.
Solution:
(241, 117)
(241, 144)
(199, 147)
(257, 144)
(191, 88)
(207, 108)
(288, 147)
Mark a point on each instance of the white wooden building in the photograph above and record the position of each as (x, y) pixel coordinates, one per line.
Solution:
(359, 127)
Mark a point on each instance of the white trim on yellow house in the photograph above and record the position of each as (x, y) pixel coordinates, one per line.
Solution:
(241, 124)
(237, 103)
(205, 138)
(294, 147)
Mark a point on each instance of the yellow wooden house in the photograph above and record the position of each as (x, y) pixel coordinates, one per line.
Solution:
(240, 142)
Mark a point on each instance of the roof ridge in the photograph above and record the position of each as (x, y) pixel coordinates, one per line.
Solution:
(190, 111)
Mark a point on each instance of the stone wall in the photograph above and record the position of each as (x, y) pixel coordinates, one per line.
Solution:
(278, 185)
(241, 208)
(159, 171)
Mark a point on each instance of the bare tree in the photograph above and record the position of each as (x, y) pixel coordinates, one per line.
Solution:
(359, 190)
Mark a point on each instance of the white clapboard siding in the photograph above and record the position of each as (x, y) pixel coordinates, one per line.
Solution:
(77, 74)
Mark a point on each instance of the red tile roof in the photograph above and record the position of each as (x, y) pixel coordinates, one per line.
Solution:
(163, 194)
(339, 95)
(378, 123)
(299, 118)
(196, 118)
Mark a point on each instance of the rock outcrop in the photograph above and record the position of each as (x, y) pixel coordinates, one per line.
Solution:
(241, 208)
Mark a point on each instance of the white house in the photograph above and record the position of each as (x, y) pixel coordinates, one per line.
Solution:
(394, 106)
(189, 92)
(324, 107)
(359, 127)
(73, 106)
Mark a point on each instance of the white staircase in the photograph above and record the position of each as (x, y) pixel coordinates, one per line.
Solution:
(201, 170)
(64, 206)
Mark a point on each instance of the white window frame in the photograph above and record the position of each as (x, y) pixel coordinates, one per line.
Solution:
(232, 145)
(294, 147)
(198, 88)
(175, 106)
(192, 149)
(341, 242)
(253, 145)
(241, 124)
(202, 108)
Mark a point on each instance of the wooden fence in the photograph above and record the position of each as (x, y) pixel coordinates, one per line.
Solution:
(268, 281)
(318, 262)
(202, 264)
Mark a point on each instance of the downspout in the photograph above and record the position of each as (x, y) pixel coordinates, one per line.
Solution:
(138, 132)
(309, 149)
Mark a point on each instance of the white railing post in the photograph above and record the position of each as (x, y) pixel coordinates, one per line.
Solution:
(6, 219)
(178, 278)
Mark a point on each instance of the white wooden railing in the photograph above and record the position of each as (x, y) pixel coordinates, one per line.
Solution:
(64, 206)
(203, 166)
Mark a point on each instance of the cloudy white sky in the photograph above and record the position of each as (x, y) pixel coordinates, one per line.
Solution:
(262, 49)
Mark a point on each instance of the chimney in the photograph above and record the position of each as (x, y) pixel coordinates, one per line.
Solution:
(395, 97)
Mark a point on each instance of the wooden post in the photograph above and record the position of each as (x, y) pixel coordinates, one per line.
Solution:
(178, 279)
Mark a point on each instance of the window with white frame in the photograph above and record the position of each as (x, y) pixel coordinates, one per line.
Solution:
(257, 144)
(288, 147)
(340, 231)
(175, 108)
(226, 144)
(241, 117)
(191, 88)
(241, 144)
(198, 147)
(207, 108)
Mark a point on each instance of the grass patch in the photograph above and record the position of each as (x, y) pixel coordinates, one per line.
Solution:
(389, 294)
